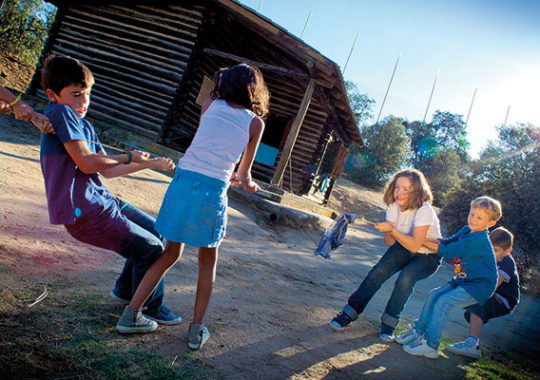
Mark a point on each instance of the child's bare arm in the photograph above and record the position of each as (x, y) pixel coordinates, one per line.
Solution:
(89, 162)
(159, 163)
(242, 178)
(432, 246)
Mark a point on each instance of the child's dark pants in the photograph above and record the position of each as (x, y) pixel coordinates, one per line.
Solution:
(413, 267)
(126, 230)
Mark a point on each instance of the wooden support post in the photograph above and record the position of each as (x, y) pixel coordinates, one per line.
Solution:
(293, 134)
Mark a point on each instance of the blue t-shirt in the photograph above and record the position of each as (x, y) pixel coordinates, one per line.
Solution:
(70, 192)
(478, 274)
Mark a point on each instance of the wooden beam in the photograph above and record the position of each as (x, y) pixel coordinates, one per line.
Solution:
(260, 65)
(293, 134)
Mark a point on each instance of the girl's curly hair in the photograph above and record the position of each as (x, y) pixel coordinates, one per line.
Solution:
(244, 85)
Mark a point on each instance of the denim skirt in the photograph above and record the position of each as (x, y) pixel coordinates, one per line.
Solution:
(194, 210)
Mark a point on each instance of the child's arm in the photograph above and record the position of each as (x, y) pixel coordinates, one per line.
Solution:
(159, 163)
(242, 177)
(4, 108)
(411, 242)
(23, 111)
(89, 162)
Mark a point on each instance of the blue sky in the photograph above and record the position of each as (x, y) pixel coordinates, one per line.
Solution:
(489, 45)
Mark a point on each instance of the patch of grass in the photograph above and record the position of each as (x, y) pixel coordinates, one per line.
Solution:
(71, 335)
(502, 365)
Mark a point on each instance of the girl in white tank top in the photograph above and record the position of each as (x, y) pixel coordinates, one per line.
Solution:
(194, 210)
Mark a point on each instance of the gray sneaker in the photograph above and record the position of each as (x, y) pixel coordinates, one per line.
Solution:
(408, 337)
(132, 321)
(463, 348)
(198, 335)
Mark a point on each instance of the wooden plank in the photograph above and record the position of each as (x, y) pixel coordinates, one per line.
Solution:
(260, 65)
(293, 134)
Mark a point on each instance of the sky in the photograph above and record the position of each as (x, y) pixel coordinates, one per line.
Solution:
(492, 46)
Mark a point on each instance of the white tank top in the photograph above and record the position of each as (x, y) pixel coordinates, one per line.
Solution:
(219, 142)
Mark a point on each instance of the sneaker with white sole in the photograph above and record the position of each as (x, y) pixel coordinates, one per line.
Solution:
(408, 337)
(465, 349)
(340, 321)
(115, 295)
(197, 336)
(163, 316)
(132, 321)
(421, 348)
(388, 338)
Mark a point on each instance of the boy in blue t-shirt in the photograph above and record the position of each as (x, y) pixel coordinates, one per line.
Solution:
(71, 160)
(475, 277)
(503, 302)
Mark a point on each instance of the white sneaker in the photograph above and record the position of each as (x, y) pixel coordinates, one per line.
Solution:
(462, 348)
(408, 337)
(388, 338)
(421, 348)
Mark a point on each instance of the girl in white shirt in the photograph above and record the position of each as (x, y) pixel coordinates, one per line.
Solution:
(410, 219)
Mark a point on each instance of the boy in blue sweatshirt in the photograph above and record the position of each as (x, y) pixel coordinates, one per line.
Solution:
(474, 281)
(503, 301)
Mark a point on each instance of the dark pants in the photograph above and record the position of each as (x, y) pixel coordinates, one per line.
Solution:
(126, 230)
(413, 266)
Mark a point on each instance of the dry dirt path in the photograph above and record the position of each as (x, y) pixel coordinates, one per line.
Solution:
(273, 297)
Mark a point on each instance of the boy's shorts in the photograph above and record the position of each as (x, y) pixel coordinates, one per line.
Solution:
(493, 308)
(194, 210)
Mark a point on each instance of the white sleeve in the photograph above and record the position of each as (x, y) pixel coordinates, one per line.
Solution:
(391, 213)
(425, 216)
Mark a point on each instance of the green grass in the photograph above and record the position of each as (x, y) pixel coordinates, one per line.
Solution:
(71, 334)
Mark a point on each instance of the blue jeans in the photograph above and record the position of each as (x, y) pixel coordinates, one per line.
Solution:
(126, 230)
(413, 266)
(436, 310)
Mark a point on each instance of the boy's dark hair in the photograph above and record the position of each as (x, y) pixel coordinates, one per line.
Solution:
(501, 237)
(421, 191)
(244, 85)
(59, 72)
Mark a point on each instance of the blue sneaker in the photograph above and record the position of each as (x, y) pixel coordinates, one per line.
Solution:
(340, 321)
(163, 316)
(118, 297)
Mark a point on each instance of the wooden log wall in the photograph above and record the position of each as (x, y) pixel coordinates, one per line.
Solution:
(228, 34)
(137, 54)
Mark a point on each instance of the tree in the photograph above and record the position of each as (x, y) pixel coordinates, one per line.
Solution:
(361, 104)
(385, 152)
(441, 172)
(24, 28)
(446, 131)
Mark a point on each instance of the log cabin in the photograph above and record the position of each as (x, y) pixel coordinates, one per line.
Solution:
(153, 63)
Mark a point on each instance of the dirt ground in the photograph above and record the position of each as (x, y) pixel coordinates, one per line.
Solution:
(273, 298)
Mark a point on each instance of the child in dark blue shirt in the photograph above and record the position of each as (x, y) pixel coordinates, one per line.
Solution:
(475, 278)
(503, 301)
(71, 160)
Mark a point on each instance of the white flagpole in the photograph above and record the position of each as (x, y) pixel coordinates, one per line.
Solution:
(431, 96)
(506, 118)
(350, 53)
(305, 25)
(470, 108)
(260, 4)
(388, 89)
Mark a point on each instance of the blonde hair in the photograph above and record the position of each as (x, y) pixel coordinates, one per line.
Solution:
(421, 191)
(492, 206)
